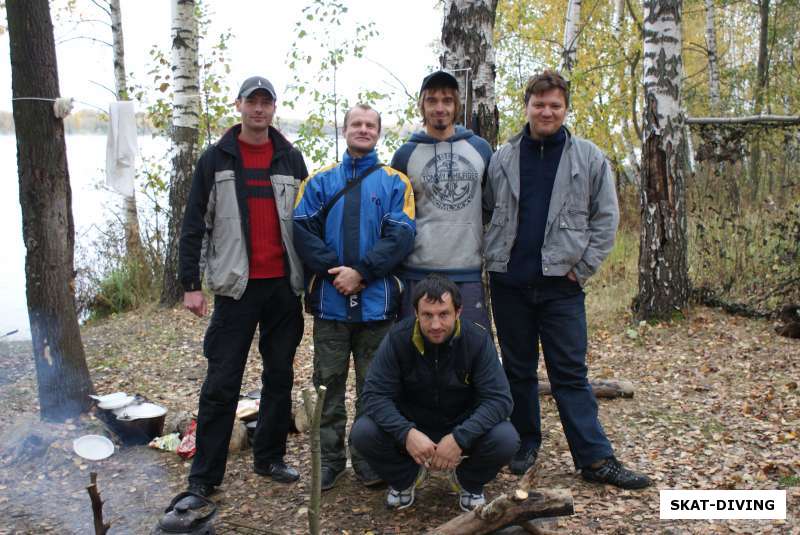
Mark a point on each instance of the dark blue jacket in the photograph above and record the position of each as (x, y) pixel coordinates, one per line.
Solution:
(455, 387)
(370, 229)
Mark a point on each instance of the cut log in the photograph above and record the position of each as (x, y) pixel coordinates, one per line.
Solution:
(504, 511)
(603, 388)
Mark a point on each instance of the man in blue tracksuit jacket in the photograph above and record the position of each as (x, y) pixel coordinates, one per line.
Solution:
(349, 246)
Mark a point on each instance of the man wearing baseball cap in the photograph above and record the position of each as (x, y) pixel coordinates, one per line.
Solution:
(238, 220)
(447, 167)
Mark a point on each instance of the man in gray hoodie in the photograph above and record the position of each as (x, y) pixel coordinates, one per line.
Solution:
(447, 167)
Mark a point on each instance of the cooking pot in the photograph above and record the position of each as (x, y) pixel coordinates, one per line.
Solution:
(138, 423)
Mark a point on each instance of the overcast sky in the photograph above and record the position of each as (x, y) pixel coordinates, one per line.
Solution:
(263, 31)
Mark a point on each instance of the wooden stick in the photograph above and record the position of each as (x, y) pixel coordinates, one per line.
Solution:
(314, 412)
(504, 511)
(100, 528)
(602, 388)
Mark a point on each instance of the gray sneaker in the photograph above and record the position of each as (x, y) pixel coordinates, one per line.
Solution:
(466, 499)
(400, 499)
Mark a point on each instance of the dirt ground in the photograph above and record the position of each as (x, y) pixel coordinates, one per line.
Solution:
(716, 406)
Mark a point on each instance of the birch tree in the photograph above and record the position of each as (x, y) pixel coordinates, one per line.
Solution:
(663, 270)
(133, 240)
(468, 46)
(569, 54)
(185, 122)
(48, 228)
(713, 62)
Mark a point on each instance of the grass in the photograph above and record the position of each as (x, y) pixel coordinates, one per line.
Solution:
(610, 291)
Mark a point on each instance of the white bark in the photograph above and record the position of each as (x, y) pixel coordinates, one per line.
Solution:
(468, 43)
(571, 30)
(185, 79)
(713, 64)
(663, 71)
(616, 18)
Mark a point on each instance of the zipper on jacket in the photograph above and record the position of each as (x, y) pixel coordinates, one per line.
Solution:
(436, 375)
(541, 151)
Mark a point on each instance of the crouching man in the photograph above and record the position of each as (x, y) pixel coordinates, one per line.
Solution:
(436, 398)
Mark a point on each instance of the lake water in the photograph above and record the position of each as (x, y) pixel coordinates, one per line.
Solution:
(91, 207)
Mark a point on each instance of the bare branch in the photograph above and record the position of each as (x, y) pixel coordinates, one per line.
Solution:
(61, 42)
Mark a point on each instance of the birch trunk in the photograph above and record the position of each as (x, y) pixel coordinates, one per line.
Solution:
(185, 123)
(569, 56)
(713, 64)
(468, 44)
(663, 271)
(45, 198)
(133, 239)
(616, 18)
(762, 70)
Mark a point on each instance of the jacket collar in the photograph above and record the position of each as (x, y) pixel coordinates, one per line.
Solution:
(228, 141)
(361, 164)
(419, 341)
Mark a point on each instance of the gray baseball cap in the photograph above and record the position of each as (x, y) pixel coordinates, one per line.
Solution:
(255, 83)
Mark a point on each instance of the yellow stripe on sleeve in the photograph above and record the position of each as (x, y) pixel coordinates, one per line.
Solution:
(409, 208)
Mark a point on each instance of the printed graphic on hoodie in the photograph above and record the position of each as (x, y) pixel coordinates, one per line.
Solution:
(451, 181)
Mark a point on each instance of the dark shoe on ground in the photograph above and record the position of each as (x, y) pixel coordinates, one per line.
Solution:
(279, 471)
(523, 460)
(368, 476)
(329, 476)
(611, 472)
(201, 489)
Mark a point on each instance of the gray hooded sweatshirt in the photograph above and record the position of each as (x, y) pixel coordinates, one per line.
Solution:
(447, 177)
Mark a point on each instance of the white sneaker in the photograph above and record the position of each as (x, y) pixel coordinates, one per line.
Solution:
(466, 499)
(400, 499)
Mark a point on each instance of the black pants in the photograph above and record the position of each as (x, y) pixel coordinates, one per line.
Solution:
(554, 314)
(271, 305)
(391, 461)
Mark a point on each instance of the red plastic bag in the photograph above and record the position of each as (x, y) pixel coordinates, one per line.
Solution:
(188, 447)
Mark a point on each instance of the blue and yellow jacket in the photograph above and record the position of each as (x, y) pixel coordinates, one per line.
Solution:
(370, 229)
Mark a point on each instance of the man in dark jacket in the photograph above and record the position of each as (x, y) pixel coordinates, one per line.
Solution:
(436, 398)
(350, 240)
(238, 224)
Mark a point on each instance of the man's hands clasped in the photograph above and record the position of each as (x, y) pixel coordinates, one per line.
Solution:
(442, 456)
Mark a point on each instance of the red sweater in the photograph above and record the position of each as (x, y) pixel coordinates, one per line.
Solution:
(266, 248)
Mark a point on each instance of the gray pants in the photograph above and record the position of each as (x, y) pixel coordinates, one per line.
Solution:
(334, 341)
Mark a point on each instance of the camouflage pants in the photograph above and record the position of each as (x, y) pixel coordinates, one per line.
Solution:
(334, 341)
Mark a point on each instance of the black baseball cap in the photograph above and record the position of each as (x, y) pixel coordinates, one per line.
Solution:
(254, 83)
(439, 79)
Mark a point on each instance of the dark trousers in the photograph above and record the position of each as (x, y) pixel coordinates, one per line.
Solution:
(554, 314)
(391, 461)
(333, 343)
(271, 305)
(473, 302)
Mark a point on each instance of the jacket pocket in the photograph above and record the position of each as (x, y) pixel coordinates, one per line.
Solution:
(226, 205)
(285, 188)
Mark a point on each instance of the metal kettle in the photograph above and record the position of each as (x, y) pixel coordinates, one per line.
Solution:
(187, 513)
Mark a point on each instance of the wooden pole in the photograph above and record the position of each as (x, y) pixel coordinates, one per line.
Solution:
(100, 527)
(314, 413)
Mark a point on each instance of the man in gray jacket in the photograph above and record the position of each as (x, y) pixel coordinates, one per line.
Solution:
(553, 214)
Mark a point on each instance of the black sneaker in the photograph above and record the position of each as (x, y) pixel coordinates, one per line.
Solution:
(523, 460)
(367, 476)
(329, 476)
(201, 489)
(611, 472)
(279, 471)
